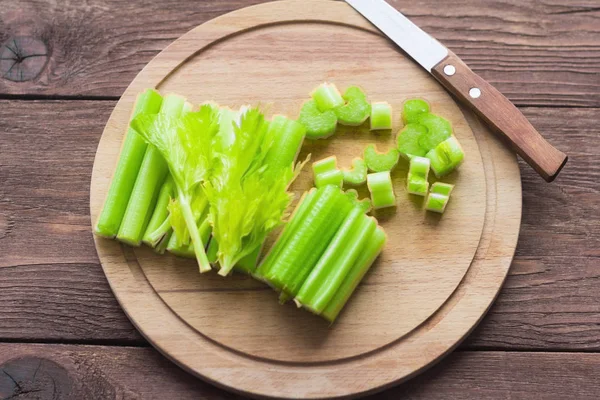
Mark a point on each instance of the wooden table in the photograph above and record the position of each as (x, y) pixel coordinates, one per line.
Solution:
(63, 335)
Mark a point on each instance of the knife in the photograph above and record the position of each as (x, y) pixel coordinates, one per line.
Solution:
(486, 101)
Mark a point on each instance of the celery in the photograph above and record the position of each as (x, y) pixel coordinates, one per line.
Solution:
(304, 248)
(325, 165)
(151, 175)
(319, 125)
(161, 246)
(212, 250)
(364, 204)
(160, 216)
(127, 169)
(187, 249)
(326, 173)
(247, 264)
(438, 130)
(379, 162)
(436, 202)
(381, 116)
(358, 174)
(327, 97)
(289, 135)
(446, 157)
(381, 189)
(442, 188)
(418, 172)
(326, 277)
(409, 140)
(356, 110)
(367, 256)
(412, 109)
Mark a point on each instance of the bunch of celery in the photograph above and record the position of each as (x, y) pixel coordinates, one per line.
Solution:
(323, 252)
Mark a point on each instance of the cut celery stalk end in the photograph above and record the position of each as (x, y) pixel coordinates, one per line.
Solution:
(379, 162)
(438, 130)
(358, 174)
(128, 166)
(160, 214)
(325, 165)
(335, 177)
(408, 140)
(284, 297)
(319, 125)
(446, 157)
(288, 142)
(212, 250)
(381, 189)
(327, 97)
(161, 247)
(418, 173)
(412, 109)
(436, 202)
(179, 249)
(363, 263)
(442, 188)
(381, 116)
(203, 264)
(356, 110)
(147, 184)
(333, 266)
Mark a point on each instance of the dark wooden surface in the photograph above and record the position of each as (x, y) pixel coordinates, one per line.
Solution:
(541, 339)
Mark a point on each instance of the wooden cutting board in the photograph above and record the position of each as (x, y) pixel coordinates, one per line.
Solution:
(433, 282)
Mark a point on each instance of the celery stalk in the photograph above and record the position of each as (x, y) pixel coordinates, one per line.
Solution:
(212, 250)
(362, 264)
(160, 217)
(187, 250)
(333, 266)
(151, 175)
(335, 177)
(287, 143)
(163, 243)
(127, 169)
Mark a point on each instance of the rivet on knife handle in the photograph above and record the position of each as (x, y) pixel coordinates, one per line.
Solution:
(500, 114)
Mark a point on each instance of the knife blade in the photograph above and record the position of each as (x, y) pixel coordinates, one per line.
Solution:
(486, 101)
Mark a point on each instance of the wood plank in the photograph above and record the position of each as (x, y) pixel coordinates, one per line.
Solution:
(539, 52)
(75, 371)
(550, 299)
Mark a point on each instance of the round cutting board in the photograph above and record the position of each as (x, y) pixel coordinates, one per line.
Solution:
(433, 282)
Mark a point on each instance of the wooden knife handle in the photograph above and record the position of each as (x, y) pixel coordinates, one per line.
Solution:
(495, 109)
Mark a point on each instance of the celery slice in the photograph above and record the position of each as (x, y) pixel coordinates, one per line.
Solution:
(414, 108)
(364, 204)
(325, 165)
(379, 162)
(327, 97)
(436, 202)
(381, 116)
(438, 130)
(408, 140)
(128, 166)
(356, 110)
(145, 191)
(442, 188)
(335, 177)
(358, 174)
(362, 264)
(446, 157)
(319, 125)
(161, 214)
(381, 189)
(418, 172)
(333, 266)
(288, 141)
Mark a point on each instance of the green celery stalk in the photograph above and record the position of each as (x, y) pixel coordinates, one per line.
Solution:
(212, 250)
(362, 264)
(310, 240)
(287, 143)
(247, 264)
(161, 246)
(130, 160)
(152, 173)
(327, 276)
(160, 217)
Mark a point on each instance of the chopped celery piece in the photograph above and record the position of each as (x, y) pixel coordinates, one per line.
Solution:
(381, 189)
(381, 116)
(127, 169)
(365, 259)
(412, 109)
(356, 110)
(335, 177)
(446, 156)
(442, 188)
(327, 276)
(289, 135)
(358, 174)
(438, 130)
(418, 172)
(436, 202)
(319, 125)
(327, 97)
(324, 165)
(152, 173)
(153, 235)
(409, 140)
(185, 143)
(364, 204)
(379, 162)
(310, 239)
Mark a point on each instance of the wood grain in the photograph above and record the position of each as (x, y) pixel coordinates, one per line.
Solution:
(134, 373)
(540, 52)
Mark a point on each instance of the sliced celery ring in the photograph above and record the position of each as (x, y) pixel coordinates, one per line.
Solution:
(318, 124)
(381, 116)
(379, 162)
